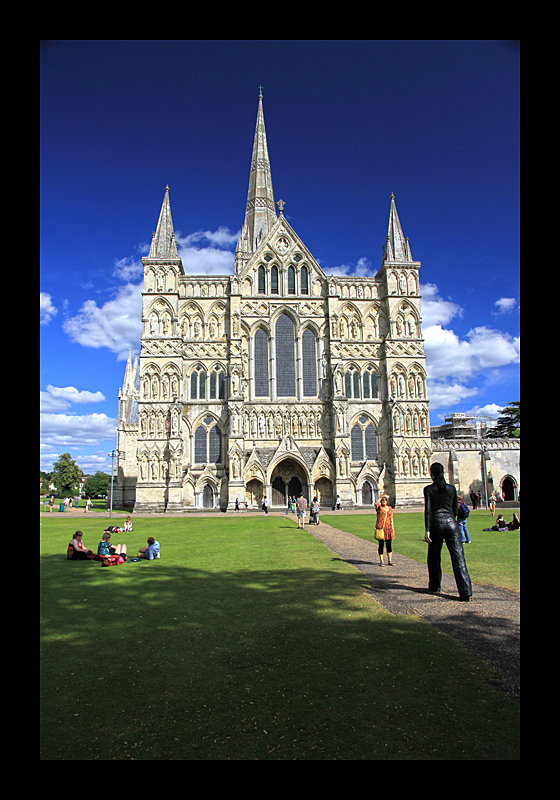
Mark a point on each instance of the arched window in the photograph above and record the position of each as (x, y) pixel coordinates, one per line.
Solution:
(357, 442)
(207, 443)
(217, 384)
(304, 281)
(352, 383)
(370, 385)
(261, 363)
(309, 352)
(262, 280)
(214, 445)
(285, 357)
(274, 280)
(291, 280)
(198, 384)
(200, 450)
(363, 440)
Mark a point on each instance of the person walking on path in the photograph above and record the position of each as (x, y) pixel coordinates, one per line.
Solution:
(265, 506)
(440, 512)
(384, 529)
(301, 504)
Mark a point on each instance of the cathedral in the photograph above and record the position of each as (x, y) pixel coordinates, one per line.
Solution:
(277, 379)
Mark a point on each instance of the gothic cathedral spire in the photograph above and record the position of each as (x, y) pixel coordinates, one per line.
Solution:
(163, 240)
(396, 246)
(260, 214)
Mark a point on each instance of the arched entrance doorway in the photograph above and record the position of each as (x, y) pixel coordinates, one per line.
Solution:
(508, 489)
(254, 493)
(324, 491)
(367, 494)
(288, 479)
(207, 496)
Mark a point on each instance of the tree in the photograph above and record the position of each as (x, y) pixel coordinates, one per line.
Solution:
(509, 423)
(96, 485)
(66, 476)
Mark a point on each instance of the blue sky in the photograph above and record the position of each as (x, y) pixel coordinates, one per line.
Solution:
(348, 122)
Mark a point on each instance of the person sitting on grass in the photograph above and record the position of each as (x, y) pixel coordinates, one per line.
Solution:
(151, 551)
(77, 551)
(106, 550)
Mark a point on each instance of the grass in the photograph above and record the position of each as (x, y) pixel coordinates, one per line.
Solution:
(492, 557)
(247, 640)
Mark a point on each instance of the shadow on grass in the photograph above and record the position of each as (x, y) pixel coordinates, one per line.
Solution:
(151, 661)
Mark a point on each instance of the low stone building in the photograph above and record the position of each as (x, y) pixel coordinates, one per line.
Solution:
(472, 464)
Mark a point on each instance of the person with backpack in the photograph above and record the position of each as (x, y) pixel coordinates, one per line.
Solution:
(462, 514)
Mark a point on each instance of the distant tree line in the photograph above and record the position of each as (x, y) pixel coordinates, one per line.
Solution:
(67, 476)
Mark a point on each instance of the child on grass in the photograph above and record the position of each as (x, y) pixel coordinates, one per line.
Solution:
(151, 551)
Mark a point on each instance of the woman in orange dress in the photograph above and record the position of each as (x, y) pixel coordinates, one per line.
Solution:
(384, 524)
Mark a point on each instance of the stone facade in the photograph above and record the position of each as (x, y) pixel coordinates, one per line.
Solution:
(276, 379)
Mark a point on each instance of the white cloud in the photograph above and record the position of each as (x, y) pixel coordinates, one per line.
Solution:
(60, 431)
(489, 410)
(222, 238)
(57, 398)
(129, 270)
(117, 325)
(48, 310)
(214, 259)
(443, 394)
(451, 361)
(436, 310)
(505, 305)
(362, 269)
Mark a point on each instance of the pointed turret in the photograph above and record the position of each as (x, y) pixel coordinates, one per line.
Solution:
(163, 240)
(396, 246)
(260, 214)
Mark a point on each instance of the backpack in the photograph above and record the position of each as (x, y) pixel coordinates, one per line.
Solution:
(464, 509)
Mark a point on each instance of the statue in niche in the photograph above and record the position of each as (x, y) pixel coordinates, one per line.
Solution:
(338, 382)
(235, 383)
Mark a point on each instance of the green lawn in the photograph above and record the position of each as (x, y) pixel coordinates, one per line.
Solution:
(247, 640)
(492, 557)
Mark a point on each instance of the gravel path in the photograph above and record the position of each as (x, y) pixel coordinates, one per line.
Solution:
(488, 625)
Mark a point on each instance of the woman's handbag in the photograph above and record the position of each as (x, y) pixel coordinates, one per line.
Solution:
(379, 533)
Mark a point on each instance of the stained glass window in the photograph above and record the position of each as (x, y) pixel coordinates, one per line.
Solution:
(363, 440)
(200, 445)
(274, 280)
(291, 280)
(309, 348)
(304, 281)
(371, 442)
(285, 357)
(261, 280)
(214, 445)
(357, 442)
(261, 364)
